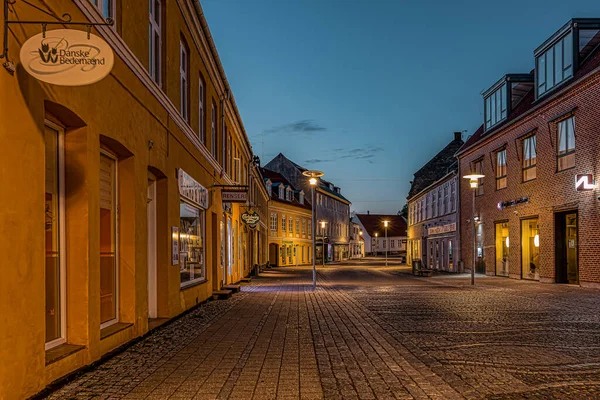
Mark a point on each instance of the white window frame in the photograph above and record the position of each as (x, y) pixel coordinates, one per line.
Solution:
(61, 237)
(273, 221)
(283, 223)
(203, 278)
(154, 31)
(201, 115)
(184, 85)
(117, 255)
(237, 165)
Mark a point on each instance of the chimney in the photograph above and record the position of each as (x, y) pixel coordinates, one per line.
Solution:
(457, 135)
(368, 212)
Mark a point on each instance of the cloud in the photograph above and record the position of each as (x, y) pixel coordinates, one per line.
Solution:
(361, 153)
(303, 127)
(317, 160)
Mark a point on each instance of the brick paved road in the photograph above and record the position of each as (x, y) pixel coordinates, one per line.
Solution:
(367, 332)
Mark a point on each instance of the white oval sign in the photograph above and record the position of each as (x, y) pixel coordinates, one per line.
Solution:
(67, 57)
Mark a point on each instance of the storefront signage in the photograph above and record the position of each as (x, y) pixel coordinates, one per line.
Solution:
(67, 57)
(174, 245)
(584, 182)
(234, 196)
(436, 230)
(511, 203)
(192, 190)
(250, 218)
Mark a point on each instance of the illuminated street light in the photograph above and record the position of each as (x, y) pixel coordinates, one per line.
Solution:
(313, 175)
(474, 184)
(385, 225)
(323, 223)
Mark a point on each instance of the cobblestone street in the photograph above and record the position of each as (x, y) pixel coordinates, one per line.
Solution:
(368, 332)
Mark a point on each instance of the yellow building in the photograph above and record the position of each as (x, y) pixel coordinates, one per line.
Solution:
(290, 222)
(112, 216)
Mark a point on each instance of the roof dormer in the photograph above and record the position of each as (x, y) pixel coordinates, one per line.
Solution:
(301, 197)
(504, 96)
(559, 57)
(288, 193)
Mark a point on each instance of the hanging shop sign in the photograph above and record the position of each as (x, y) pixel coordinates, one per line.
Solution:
(436, 230)
(250, 218)
(511, 203)
(67, 57)
(234, 196)
(584, 182)
(191, 189)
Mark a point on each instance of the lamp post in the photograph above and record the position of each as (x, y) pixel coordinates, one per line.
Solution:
(376, 244)
(313, 175)
(474, 184)
(360, 233)
(323, 223)
(385, 225)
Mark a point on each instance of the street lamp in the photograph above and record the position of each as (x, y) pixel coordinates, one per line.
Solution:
(376, 244)
(360, 245)
(323, 223)
(385, 225)
(474, 184)
(313, 175)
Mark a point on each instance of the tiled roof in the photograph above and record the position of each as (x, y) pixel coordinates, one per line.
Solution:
(439, 166)
(278, 179)
(525, 105)
(373, 223)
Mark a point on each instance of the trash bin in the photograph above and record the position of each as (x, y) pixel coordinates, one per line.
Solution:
(416, 266)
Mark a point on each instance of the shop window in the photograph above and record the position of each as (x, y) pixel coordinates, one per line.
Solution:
(109, 264)
(501, 169)
(191, 243)
(155, 45)
(566, 144)
(530, 248)
(55, 238)
(529, 158)
(502, 249)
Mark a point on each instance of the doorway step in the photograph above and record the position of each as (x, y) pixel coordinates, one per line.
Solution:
(233, 288)
(221, 294)
(246, 280)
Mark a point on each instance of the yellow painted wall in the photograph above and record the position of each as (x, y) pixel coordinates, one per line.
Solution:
(286, 237)
(122, 114)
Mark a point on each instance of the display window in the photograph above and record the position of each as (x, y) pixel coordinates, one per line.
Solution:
(530, 249)
(502, 249)
(191, 244)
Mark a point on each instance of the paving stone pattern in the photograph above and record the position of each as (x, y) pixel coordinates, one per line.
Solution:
(367, 332)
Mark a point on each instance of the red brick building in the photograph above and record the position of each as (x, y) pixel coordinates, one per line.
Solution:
(537, 208)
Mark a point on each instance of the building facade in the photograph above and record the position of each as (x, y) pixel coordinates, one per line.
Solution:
(331, 207)
(290, 222)
(131, 169)
(536, 208)
(357, 243)
(433, 211)
(374, 234)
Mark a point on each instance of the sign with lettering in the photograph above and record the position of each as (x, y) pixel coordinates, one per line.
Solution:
(67, 57)
(584, 182)
(436, 230)
(250, 218)
(511, 203)
(234, 196)
(192, 190)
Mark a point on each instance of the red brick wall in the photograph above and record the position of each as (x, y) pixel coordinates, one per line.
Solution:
(551, 192)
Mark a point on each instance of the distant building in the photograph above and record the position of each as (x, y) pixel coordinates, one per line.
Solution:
(290, 222)
(330, 206)
(432, 211)
(374, 233)
(357, 243)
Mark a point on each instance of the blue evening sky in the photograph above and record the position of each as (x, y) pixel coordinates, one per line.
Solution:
(368, 91)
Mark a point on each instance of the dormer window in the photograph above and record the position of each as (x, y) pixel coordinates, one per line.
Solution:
(301, 197)
(281, 192)
(288, 194)
(504, 96)
(554, 65)
(270, 189)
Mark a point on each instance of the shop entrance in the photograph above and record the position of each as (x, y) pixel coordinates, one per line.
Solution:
(566, 244)
(151, 211)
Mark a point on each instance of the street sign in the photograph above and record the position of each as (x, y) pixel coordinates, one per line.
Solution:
(67, 57)
(234, 196)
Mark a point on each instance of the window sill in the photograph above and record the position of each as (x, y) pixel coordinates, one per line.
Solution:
(497, 190)
(192, 284)
(530, 180)
(563, 170)
(62, 351)
(114, 329)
